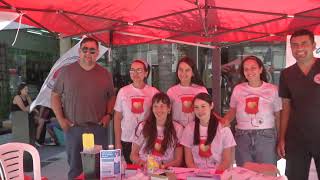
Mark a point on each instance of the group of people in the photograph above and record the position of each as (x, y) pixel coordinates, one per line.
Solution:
(169, 125)
(180, 127)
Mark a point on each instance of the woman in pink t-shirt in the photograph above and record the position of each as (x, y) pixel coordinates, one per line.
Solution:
(158, 136)
(256, 106)
(132, 106)
(207, 144)
(188, 85)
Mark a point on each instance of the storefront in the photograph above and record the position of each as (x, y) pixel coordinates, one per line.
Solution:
(33, 55)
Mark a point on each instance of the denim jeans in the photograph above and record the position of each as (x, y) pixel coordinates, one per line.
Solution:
(256, 146)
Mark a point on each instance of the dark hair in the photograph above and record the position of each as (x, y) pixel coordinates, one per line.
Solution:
(263, 75)
(149, 130)
(20, 87)
(213, 122)
(303, 32)
(196, 77)
(146, 66)
(89, 39)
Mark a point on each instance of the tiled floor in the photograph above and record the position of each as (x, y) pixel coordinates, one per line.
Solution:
(57, 169)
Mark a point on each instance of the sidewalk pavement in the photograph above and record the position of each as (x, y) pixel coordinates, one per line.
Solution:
(55, 168)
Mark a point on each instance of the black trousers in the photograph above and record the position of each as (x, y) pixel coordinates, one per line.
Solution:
(126, 150)
(298, 159)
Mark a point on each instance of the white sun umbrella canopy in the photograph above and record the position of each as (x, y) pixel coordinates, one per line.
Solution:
(6, 18)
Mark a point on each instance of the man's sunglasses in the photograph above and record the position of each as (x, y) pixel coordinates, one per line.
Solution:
(91, 50)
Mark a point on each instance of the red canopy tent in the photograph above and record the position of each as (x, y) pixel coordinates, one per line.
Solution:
(205, 23)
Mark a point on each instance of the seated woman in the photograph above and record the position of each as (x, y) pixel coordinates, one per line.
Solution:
(158, 135)
(22, 102)
(207, 143)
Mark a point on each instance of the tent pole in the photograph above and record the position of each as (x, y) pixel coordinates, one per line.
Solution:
(163, 16)
(77, 24)
(247, 11)
(110, 128)
(249, 40)
(164, 39)
(248, 26)
(197, 59)
(282, 33)
(203, 22)
(216, 76)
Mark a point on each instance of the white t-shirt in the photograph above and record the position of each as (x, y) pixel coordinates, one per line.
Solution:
(223, 139)
(135, 106)
(255, 106)
(181, 98)
(169, 153)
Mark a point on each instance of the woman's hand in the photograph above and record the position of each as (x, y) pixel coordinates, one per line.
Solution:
(141, 163)
(225, 122)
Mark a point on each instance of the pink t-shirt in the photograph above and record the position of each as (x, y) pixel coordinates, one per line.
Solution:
(255, 106)
(135, 106)
(169, 153)
(211, 155)
(181, 98)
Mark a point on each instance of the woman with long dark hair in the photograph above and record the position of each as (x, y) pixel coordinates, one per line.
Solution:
(207, 144)
(256, 105)
(22, 102)
(158, 135)
(132, 106)
(188, 85)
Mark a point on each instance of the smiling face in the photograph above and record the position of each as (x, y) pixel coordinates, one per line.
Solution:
(88, 53)
(137, 72)
(202, 110)
(302, 48)
(185, 74)
(252, 70)
(161, 111)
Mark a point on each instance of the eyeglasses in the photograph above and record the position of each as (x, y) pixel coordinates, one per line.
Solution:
(136, 70)
(91, 50)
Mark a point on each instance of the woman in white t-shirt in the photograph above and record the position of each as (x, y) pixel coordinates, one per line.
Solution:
(256, 106)
(207, 144)
(132, 106)
(159, 136)
(188, 85)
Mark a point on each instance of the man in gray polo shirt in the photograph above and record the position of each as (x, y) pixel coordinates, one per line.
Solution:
(82, 100)
(299, 138)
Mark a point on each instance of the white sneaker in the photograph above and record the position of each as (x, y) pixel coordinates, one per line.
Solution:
(49, 144)
(37, 144)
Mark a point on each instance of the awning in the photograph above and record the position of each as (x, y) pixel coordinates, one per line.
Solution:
(203, 22)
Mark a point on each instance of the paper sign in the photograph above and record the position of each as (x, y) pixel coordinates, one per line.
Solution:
(110, 163)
